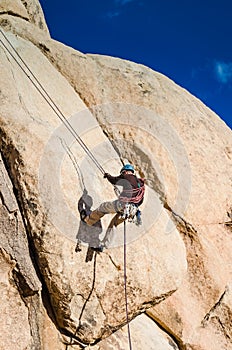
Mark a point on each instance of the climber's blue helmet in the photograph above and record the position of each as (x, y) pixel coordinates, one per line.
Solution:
(127, 167)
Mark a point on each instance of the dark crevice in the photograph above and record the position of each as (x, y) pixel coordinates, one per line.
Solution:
(21, 283)
(73, 341)
(157, 300)
(180, 218)
(213, 315)
(43, 48)
(11, 13)
(189, 230)
(224, 329)
(177, 341)
(207, 316)
(228, 223)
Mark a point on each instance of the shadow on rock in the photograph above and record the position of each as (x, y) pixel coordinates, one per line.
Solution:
(88, 235)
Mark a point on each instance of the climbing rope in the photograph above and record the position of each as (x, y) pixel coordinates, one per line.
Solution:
(27, 71)
(125, 289)
(75, 163)
(39, 87)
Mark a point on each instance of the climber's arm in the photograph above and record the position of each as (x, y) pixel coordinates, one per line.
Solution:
(112, 179)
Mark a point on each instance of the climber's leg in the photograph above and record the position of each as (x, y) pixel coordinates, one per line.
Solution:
(97, 214)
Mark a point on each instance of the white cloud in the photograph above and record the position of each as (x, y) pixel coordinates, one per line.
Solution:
(223, 72)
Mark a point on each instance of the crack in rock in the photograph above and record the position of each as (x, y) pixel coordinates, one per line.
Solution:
(218, 303)
(12, 13)
(190, 230)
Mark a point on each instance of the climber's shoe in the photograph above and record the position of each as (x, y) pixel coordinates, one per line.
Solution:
(77, 248)
(83, 214)
(99, 249)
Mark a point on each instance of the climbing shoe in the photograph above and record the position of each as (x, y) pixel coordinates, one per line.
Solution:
(83, 214)
(99, 249)
(77, 248)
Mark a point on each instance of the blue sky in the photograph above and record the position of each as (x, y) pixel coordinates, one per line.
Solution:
(190, 41)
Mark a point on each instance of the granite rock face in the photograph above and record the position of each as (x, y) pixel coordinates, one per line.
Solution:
(28, 10)
(178, 262)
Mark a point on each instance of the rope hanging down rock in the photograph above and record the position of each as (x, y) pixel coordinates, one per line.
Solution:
(27, 71)
(125, 289)
(42, 91)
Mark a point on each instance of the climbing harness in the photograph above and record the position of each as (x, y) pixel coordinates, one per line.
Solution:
(136, 194)
(129, 203)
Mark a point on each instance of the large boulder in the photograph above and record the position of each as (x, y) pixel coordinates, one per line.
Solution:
(48, 190)
(184, 150)
(178, 263)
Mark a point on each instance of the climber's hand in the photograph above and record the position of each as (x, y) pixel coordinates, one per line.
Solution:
(106, 175)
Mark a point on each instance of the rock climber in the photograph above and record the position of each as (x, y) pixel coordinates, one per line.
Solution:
(132, 192)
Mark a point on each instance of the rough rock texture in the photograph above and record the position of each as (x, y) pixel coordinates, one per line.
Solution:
(178, 263)
(13, 236)
(14, 314)
(39, 160)
(29, 10)
(145, 334)
(14, 8)
(25, 323)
